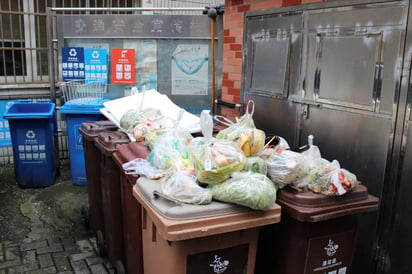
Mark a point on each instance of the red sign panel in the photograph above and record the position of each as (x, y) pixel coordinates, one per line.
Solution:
(123, 66)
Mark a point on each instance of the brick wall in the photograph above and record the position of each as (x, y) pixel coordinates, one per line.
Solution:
(233, 44)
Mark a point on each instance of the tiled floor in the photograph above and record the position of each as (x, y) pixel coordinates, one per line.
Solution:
(42, 230)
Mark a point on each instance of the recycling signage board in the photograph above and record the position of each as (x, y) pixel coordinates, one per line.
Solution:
(95, 61)
(72, 63)
(123, 66)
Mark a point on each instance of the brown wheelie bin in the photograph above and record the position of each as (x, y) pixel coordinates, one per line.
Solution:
(317, 233)
(130, 206)
(197, 239)
(93, 213)
(214, 238)
(110, 243)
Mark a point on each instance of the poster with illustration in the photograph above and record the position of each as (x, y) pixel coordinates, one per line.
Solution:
(190, 63)
(146, 62)
(123, 66)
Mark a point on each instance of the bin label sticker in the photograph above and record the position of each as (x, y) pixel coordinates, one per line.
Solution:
(123, 66)
(225, 260)
(72, 63)
(31, 146)
(95, 61)
(331, 248)
(218, 265)
(331, 254)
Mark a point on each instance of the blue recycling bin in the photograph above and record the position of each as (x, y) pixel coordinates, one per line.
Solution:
(75, 115)
(35, 153)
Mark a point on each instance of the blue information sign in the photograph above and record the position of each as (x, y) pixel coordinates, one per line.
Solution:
(95, 61)
(5, 138)
(72, 63)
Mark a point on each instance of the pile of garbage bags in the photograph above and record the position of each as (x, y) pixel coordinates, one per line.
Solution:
(234, 165)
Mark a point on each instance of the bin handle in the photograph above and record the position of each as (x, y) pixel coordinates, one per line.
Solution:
(157, 194)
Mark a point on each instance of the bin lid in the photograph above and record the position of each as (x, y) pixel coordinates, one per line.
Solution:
(131, 151)
(81, 106)
(184, 221)
(107, 141)
(90, 129)
(150, 190)
(307, 206)
(25, 110)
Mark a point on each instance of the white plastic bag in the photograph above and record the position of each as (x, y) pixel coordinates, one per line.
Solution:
(331, 180)
(270, 150)
(140, 166)
(244, 133)
(313, 159)
(183, 187)
(286, 167)
(170, 147)
(215, 160)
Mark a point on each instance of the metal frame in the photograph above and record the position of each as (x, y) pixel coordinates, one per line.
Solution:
(56, 41)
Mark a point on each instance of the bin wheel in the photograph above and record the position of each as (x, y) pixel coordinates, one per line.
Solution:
(100, 243)
(85, 212)
(119, 267)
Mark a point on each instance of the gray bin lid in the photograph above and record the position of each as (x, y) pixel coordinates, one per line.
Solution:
(174, 210)
(191, 221)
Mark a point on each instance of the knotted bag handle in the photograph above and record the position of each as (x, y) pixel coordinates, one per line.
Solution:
(227, 122)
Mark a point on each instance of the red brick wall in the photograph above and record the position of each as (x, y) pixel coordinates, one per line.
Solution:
(233, 44)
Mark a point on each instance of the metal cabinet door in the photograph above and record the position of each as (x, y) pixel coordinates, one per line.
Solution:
(395, 257)
(348, 49)
(271, 67)
(348, 69)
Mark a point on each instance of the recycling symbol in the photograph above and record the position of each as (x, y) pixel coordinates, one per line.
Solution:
(72, 52)
(95, 54)
(30, 134)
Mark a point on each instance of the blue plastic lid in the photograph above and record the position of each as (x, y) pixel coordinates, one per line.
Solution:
(83, 106)
(30, 110)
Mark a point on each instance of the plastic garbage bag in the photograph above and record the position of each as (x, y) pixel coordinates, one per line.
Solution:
(171, 147)
(313, 159)
(286, 167)
(142, 167)
(133, 117)
(244, 133)
(215, 160)
(270, 150)
(330, 179)
(183, 187)
(254, 190)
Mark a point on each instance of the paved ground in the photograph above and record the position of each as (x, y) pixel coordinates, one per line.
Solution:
(42, 230)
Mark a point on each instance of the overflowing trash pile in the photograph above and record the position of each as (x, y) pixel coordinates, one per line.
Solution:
(234, 165)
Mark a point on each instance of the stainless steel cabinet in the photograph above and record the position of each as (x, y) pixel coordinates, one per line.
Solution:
(340, 70)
